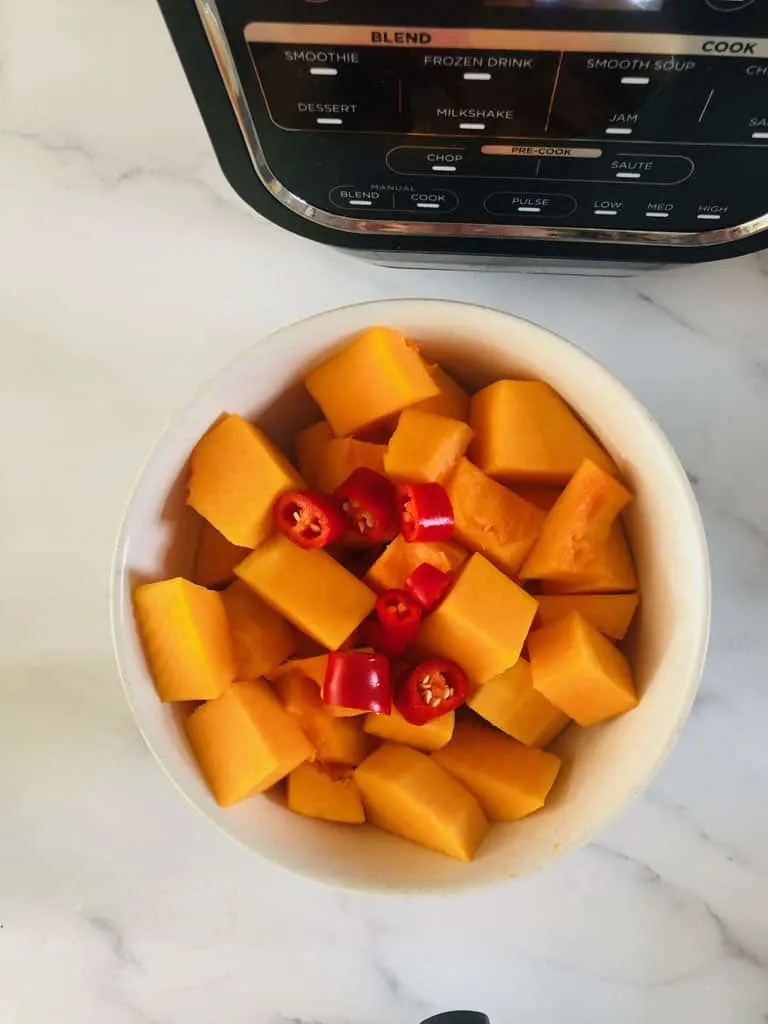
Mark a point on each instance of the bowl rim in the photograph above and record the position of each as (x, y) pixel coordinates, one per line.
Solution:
(700, 641)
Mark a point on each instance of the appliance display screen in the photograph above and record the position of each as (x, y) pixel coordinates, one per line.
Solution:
(588, 5)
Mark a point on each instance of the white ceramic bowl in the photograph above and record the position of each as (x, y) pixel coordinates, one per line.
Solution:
(606, 765)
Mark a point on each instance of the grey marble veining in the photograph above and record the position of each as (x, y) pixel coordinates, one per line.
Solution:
(128, 273)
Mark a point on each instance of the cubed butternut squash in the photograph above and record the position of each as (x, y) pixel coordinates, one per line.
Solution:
(575, 534)
(614, 572)
(580, 672)
(492, 519)
(186, 639)
(482, 623)
(336, 740)
(431, 736)
(452, 401)
(396, 563)
(610, 614)
(261, 638)
(245, 741)
(342, 456)
(425, 447)
(373, 377)
(309, 588)
(526, 433)
(510, 702)
(215, 558)
(311, 445)
(236, 476)
(326, 792)
(407, 793)
(509, 780)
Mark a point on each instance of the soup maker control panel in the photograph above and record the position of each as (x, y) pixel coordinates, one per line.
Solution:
(619, 123)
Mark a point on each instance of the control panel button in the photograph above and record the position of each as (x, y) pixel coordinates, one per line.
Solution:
(711, 213)
(348, 197)
(627, 168)
(660, 170)
(459, 161)
(479, 92)
(328, 88)
(607, 209)
(533, 205)
(428, 200)
(428, 160)
(658, 213)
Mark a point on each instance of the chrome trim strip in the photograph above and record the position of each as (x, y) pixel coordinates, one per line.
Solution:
(299, 34)
(214, 30)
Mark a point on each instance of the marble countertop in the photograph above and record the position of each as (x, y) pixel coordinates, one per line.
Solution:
(130, 273)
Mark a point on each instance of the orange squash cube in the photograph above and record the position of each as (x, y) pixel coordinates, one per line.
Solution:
(342, 456)
(407, 793)
(425, 447)
(186, 639)
(399, 559)
(431, 736)
(452, 401)
(610, 614)
(309, 588)
(509, 780)
(236, 476)
(215, 558)
(492, 519)
(614, 572)
(526, 433)
(336, 740)
(576, 531)
(373, 377)
(482, 623)
(580, 672)
(245, 741)
(325, 792)
(311, 445)
(261, 638)
(510, 702)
